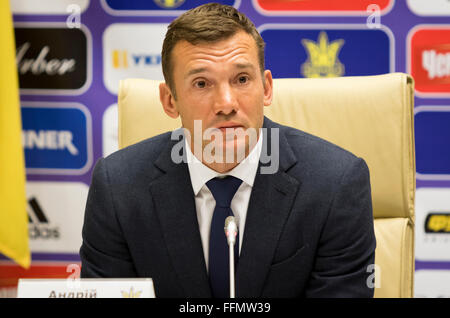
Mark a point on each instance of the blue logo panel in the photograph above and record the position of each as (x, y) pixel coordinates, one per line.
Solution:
(432, 135)
(159, 5)
(326, 52)
(56, 139)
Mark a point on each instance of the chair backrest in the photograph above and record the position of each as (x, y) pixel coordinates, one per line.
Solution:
(371, 116)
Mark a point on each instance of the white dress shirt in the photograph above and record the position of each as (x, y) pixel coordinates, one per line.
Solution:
(204, 200)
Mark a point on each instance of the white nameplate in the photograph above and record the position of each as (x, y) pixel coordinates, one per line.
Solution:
(86, 288)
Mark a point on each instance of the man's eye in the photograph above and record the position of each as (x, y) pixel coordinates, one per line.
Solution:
(200, 84)
(243, 79)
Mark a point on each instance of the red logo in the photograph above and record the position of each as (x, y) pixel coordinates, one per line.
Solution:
(429, 59)
(321, 6)
(10, 273)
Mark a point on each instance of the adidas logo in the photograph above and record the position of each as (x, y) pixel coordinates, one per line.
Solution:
(39, 227)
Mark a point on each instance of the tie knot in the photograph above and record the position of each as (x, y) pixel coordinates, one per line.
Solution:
(223, 189)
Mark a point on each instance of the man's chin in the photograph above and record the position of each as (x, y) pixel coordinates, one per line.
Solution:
(235, 150)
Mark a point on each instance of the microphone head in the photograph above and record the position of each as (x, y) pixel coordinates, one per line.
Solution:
(230, 223)
(228, 220)
(231, 229)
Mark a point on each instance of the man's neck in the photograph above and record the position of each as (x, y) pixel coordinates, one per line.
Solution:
(221, 167)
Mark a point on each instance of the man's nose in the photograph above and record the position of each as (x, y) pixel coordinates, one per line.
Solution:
(225, 101)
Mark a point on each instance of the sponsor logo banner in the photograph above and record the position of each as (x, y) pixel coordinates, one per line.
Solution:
(47, 6)
(55, 224)
(126, 56)
(432, 284)
(433, 224)
(321, 7)
(10, 273)
(156, 7)
(429, 60)
(304, 51)
(432, 135)
(430, 8)
(57, 138)
(52, 59)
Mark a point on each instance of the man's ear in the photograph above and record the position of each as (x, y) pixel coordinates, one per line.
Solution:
(167, 101)
(268, 88)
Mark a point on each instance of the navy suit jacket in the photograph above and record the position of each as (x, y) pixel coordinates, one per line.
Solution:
(309, 228)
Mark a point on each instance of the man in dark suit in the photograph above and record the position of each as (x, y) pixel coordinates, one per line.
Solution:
(305, 223)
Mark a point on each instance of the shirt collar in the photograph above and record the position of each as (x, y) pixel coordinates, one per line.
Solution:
(246, 170)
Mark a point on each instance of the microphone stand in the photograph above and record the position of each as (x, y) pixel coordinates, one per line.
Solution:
(232, 288)
(231, 231)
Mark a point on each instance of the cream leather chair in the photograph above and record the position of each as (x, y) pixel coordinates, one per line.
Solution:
(371, 116)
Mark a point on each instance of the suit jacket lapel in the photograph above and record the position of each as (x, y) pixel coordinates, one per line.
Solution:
(175, 205)
(269, 207)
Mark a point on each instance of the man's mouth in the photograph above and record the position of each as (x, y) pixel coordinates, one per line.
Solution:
(229, 125)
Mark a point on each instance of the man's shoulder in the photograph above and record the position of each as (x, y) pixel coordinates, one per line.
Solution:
(321, 165)
(317, 154)
(301, 140)
(149, 146)
(139, 155)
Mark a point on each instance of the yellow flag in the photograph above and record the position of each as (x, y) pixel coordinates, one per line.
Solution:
(13, 215)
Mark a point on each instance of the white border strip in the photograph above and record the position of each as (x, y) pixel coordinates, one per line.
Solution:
(318, 26)
(421, 14)
(432, 177)
(87, 114)
(319, 13)
(408, 55)
(17, 5)
(153, 13)
(89, 70)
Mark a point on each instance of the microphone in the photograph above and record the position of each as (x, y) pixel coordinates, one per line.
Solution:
(231, 230)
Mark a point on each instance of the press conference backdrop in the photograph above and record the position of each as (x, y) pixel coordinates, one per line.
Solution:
(71, 55)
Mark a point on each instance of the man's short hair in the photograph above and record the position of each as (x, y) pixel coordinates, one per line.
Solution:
(208, 23)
